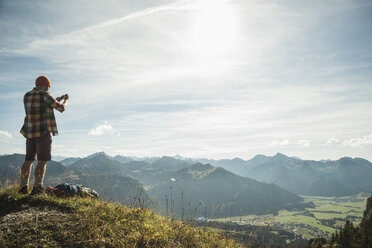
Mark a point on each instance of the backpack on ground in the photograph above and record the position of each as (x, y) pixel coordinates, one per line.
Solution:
(71, 189)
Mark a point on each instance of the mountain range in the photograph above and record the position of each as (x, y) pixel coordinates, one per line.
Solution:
(197, 187)
(345, 176)
(341, 177)
(157, 182)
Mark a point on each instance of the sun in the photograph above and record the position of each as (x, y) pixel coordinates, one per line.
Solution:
(214, 28)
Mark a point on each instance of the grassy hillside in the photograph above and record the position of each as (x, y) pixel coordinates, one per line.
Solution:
(46, 221)
(203, 190)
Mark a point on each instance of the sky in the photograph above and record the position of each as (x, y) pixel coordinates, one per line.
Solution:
(197, 78)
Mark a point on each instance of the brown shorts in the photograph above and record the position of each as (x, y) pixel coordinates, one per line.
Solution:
(39, 148)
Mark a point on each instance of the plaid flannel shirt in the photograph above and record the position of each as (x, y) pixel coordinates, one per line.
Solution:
(39, 105)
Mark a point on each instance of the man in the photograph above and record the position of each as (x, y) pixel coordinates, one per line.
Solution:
(37, 128)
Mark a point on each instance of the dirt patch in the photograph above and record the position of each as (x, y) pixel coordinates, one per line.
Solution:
(30, 214)
(32, 224)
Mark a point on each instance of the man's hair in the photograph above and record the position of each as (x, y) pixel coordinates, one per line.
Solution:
(43, 81)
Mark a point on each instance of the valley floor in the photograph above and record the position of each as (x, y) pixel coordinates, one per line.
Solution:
(328, 215)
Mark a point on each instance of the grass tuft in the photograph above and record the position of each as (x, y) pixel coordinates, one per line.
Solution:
(48, 221)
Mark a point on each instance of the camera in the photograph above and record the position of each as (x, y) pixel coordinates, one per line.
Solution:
(64, 97)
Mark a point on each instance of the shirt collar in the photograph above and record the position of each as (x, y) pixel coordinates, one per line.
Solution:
(40, 88)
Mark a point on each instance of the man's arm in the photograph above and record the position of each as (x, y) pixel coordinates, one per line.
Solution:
(54, 103)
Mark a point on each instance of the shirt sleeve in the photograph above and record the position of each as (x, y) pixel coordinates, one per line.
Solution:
(53, 103)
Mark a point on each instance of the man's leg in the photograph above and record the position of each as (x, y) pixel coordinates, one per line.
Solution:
(25, 176)
(40, 173)
(27, 165)
(43, 150)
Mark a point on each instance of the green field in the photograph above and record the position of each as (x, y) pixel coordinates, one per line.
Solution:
(328, 215)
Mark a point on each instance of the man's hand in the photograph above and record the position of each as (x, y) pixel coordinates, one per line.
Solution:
(64, 97)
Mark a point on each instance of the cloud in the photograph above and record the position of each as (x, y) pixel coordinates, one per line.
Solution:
(5, 134)
(160, 92)
(104, 129)
(332, 141)
(177, 6)
(11, 95)
(104, 148)
(133, 153)
(303, 142)
(358, 142)
(75, 37)
(274, 143)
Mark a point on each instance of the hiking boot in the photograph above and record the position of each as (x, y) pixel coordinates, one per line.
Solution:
(38, 190)
(23, 190)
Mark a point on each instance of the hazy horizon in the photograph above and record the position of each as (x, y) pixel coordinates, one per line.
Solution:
(199, 78)
(58, 158)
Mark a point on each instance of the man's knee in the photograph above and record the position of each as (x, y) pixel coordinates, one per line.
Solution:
(42, 162)
(27, 165)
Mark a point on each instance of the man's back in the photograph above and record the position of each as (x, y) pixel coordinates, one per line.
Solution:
(40, 117)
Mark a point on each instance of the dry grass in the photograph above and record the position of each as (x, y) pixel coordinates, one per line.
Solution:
(48, 221)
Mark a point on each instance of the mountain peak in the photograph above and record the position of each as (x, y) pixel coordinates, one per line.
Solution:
(201, 166)
(98, 155)
(280, 155)
(177, 156)
(199, 171)
(238, 160)
(259, 156)
(167, 158)
(346, 159)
